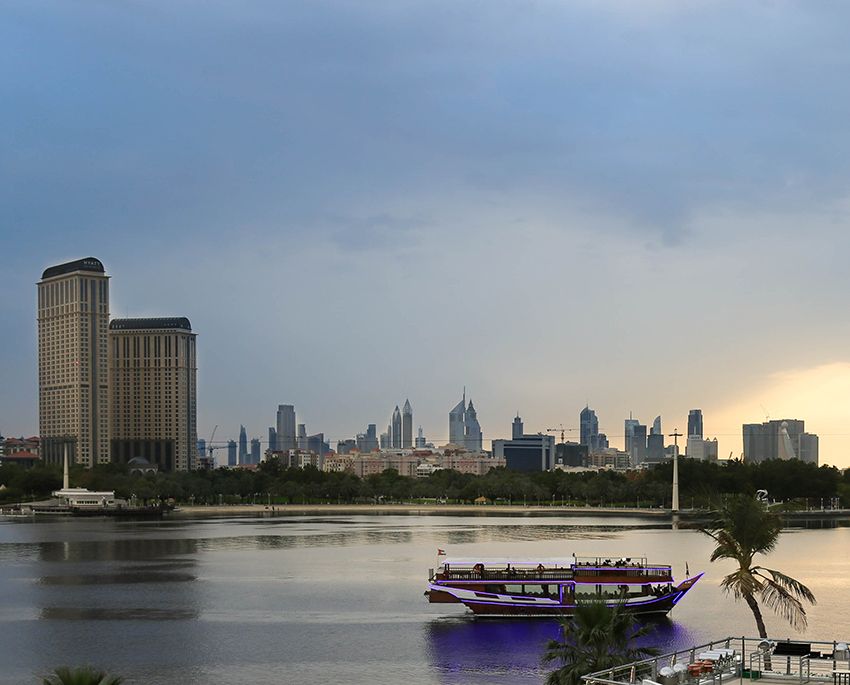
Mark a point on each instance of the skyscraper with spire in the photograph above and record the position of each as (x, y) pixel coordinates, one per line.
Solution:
(243, 445)
(457, 432)
(395, 428)
(407, 426)
(474, 439)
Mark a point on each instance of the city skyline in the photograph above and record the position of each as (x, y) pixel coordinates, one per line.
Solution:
(490, 188)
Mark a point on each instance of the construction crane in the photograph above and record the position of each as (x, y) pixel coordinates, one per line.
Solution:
(562, 430)
(210, 460)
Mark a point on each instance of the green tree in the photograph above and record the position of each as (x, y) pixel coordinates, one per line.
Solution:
(744, 528)
(84, 675)
(595, 638)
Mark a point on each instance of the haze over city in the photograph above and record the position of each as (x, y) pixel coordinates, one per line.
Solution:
(640, 209)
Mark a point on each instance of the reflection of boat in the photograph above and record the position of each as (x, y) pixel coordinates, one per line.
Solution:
(549, 587)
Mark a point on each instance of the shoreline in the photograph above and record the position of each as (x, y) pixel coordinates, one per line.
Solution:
(418, 509)
(204, 511)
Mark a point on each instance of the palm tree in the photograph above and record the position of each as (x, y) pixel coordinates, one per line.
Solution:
(743, 528)
(596, 637)
(84, 675)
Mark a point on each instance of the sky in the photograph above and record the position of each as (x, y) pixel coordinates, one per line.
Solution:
(638, 206)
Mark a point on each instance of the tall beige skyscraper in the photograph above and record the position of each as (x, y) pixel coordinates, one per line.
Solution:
(73, 314)
(152, 392)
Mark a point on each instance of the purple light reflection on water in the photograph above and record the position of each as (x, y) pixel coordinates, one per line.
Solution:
(464, 650)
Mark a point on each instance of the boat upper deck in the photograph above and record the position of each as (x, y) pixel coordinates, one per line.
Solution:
(591, 570)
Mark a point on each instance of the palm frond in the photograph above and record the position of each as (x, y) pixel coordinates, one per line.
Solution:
(792, 585)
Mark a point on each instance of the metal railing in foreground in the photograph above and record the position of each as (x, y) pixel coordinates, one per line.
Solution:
(735, 657)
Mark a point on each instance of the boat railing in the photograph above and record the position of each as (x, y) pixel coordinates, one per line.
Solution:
(507, 574)
(734, 657)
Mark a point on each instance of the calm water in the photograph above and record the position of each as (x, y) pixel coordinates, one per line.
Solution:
(335, 599)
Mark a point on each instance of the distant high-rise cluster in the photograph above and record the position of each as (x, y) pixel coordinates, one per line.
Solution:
(779, 439)
(464, 429)
(111, 391)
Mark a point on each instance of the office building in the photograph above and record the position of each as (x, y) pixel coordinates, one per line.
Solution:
(571, 454)
(808, 448)
(457, 428)
(286, 427)
(231, 453)
(73, 395)
(656, 427)
(526, 452)
(638, 444)
(301, 438)
(695, 423)
(420, 439)
(655, 447)
(395, 429)
(368, 441)
(517, 429)
(243, 445)
(776, 439)
(629, 431)
(272, 439)
(153, 392)
(202, 449)
(589, 429)
(255, 450)
(343, 447)
(407, 426)
(698, 448)
(473, 437)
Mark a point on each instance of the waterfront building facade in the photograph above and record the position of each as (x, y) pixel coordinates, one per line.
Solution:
(73, 394)
(152, 392)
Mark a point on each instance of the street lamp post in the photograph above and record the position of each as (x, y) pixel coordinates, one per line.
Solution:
(675, 503)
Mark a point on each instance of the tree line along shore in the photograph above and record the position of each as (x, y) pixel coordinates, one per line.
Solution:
(703, 485)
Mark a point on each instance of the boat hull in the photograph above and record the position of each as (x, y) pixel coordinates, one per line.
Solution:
(494, 605)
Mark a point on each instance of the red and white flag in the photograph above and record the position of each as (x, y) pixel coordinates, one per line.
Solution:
(441, 552)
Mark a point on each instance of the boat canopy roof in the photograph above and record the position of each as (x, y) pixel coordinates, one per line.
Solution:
(564, 562)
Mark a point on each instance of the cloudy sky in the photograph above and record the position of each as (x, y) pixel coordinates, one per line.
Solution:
(640, 206)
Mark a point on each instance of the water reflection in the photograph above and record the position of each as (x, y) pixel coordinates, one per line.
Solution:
(467, 649)
(122, 577)
(116, 614)
(119, 549)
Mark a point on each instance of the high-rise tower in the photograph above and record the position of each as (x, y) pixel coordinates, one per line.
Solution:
(243, 445)
(695, 423)
(73, 396)
(589, 429)
(395, 428)
(457, 433)
(153, 392)
(407, 426)
(472, 429)
(286, 427)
